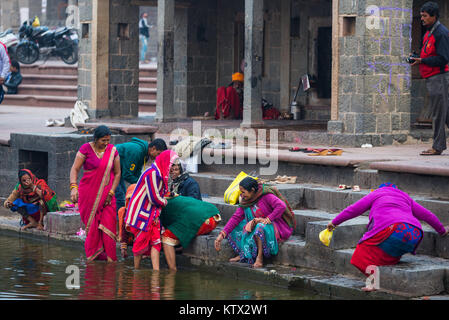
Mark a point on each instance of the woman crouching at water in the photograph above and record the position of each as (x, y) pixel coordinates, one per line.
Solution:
(264, 219)
(95, 194)
(32, 198)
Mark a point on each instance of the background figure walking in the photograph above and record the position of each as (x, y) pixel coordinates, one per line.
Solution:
(144, 36)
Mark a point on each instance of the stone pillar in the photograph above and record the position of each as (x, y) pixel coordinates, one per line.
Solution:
(10, 15)
(100, 59)
(374, 99)
(165, 71)
(285, 55)
(252, 115)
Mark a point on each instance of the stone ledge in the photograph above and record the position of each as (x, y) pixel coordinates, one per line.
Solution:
(426, 167)
(128, 129)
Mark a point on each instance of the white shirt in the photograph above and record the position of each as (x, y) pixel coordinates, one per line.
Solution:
(4, 62)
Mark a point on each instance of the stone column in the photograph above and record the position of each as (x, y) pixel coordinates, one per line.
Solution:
(285, 54)
(252, 115)
(374, 99)
(10, 15)
(165, 110)
(100, 58)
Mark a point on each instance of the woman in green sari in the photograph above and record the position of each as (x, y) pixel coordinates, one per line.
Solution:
(263, 220)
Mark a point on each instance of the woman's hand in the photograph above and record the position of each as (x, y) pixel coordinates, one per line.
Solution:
(124, 253)
(74, 195)
(330, 226)
(218, 241)
(108, 200)
(8, 204)
(447, 231)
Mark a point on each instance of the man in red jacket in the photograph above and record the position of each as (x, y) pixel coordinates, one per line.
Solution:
(433, 66)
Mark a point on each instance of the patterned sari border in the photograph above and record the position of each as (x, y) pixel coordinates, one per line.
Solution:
(108, 232)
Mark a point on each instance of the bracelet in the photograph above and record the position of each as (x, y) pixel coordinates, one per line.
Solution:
(73, 186)
(111, 192)
(222, 233)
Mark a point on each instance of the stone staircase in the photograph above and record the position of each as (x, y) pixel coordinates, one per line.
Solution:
(423, 274)
(56, 85)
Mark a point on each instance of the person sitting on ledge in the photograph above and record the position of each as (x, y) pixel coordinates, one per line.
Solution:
(32, 198)
(264, 218)
(14, 79)
(230, 99)
(393, 229)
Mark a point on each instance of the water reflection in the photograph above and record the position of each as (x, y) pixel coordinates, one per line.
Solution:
(33, 269)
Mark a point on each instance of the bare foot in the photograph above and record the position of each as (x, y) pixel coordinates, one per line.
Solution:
(29, 226)
(235, 259)
(257, 264)
(40, 227)
(368, 289)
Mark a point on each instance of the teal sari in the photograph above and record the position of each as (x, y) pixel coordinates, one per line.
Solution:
(244, 243)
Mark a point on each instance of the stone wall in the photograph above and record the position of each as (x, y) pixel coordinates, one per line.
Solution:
(27, 150)
(123, 60)
(374, 79)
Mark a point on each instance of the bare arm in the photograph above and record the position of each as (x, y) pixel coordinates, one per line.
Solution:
(74, 171)
(116, 181)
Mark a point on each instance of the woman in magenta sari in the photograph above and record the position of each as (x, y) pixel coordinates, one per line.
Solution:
(95, 194)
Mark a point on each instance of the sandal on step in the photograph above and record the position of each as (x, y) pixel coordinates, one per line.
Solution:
(431, 152)
(319, 152)
(335, 152)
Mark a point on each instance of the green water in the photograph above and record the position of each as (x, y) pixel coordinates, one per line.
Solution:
(35, 269)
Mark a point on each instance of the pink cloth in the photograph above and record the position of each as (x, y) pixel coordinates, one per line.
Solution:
(268, 206)
(100, 221)
(388, 206)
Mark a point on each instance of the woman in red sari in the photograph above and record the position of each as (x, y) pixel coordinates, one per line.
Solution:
(95, 194)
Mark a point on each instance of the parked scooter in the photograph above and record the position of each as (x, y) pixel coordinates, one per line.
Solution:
(10, 40)
(39, 42)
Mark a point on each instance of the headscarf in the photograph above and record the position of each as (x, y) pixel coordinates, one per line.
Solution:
(388, 184)
(238, 77)
(183, 175)
(163, 162)
(30, 196)
(263, 189)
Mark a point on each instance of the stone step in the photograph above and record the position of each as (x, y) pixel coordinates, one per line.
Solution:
(71, 91)
(148, 72)
(60, 101)
(64, 80)
(147, 82)
(313, 196)
(414, 276)
(49, 69)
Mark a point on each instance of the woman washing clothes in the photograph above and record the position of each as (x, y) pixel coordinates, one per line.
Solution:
(393, 230)
(186, 215)
(263, 220)
(32, 198)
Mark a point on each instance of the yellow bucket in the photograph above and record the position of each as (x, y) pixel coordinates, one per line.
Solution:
(326, 236)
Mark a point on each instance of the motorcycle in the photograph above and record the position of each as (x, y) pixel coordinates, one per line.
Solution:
(40, 41)
(10, 40)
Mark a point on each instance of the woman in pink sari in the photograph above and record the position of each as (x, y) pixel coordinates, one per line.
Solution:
(95, 194)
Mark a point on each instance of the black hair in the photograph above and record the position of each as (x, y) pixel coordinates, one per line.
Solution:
(15, 64)
(159, 144)
(101, 131)
(23, 172)
(249, 184)
(431, 8)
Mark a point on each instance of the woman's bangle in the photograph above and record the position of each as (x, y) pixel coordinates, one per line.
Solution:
(222, 233)
(73, 186)
(111, 192)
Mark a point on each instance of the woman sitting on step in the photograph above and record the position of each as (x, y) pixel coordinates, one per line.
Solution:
(32, 198)
(264, 219)
(393, 229)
